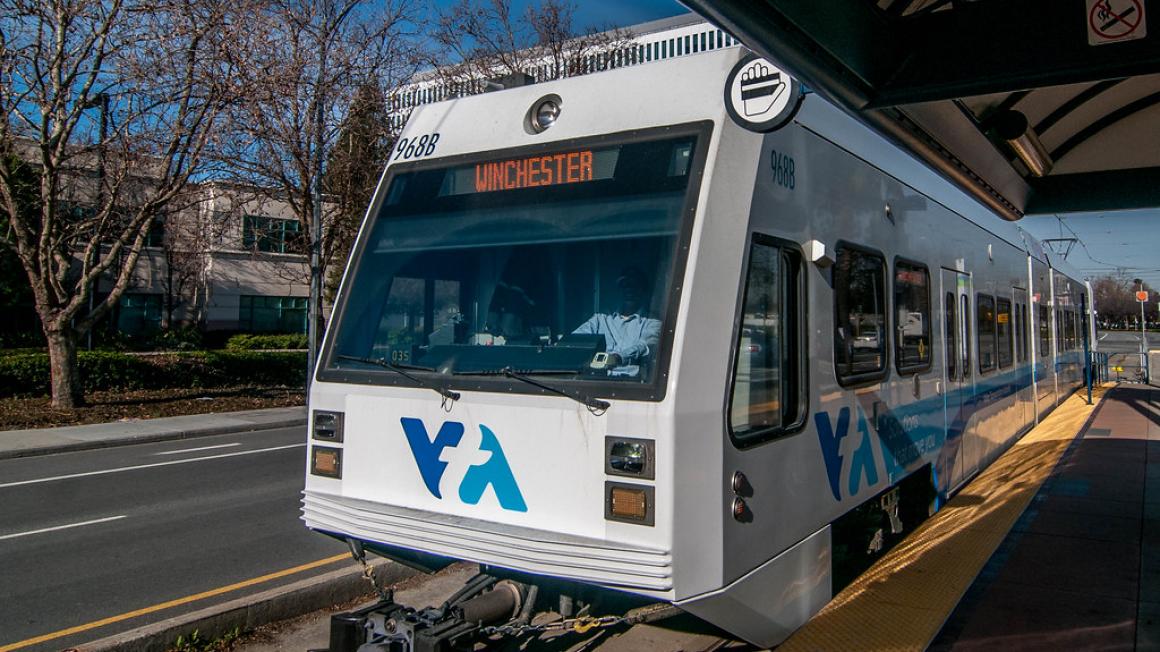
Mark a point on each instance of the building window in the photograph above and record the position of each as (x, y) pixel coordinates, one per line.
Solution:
(260, 314)
(272, 235)
(912, 309)
(859, 315)
(768, 387)
(985, 331)
(155, 237)
(1003, 331)
(139, 313)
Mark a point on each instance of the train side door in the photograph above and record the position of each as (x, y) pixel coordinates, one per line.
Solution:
(955, 302)
(1025, 393)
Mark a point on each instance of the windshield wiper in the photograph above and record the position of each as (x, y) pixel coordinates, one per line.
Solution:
(447, 394)
(594, 405)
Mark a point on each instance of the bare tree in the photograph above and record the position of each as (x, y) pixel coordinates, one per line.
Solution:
(486, 40)
(303, 64)
(112, 104)
(357, 160)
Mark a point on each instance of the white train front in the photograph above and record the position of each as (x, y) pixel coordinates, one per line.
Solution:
(597, 330)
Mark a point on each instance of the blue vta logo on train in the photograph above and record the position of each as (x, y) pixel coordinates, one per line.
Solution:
(830, 436)
(488, 466)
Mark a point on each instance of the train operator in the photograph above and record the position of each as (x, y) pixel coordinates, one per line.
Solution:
(630, 338)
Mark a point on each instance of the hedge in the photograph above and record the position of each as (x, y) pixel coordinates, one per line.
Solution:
(28, 374)
(252, 342)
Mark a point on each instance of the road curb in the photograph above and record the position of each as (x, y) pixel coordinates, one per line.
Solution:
(249, 612)
(152, 437)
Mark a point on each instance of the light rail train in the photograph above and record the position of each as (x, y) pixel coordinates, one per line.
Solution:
(677, 331)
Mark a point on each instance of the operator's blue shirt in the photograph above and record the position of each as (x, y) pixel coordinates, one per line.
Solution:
(632, 337)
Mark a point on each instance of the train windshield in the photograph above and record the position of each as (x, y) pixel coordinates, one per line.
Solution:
(558, 264)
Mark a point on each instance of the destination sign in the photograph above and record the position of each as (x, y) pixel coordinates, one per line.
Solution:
(537, 171)
(534, 171)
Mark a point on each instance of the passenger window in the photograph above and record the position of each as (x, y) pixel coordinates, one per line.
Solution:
(912, 317)
(859, 315)
(1003, 331)
(985, 327)
(768, 392)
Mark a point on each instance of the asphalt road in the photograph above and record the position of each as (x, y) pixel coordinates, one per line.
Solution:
(1124, 341)
(92, 537)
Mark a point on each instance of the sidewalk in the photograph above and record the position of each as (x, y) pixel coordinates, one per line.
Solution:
(43, 441)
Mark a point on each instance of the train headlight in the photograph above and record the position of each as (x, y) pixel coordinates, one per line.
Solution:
(544, 113)
(627, 456)
(327, 425)
(630, 503)
(326, 461)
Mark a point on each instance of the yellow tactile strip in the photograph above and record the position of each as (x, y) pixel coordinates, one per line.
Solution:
(902, 601)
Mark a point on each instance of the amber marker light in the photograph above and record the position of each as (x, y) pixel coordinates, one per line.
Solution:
(326, 462)
(629, 503)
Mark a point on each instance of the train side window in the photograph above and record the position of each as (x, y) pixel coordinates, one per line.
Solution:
(952, 350)
(912, 317)
(768, 387)
(985, 329)
(859, 314)
(1003, 331)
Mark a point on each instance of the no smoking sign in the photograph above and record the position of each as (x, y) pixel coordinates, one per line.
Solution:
(1115, 21)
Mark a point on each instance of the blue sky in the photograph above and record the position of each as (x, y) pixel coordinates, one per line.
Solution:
(622, 13)
(601, 14)
(1111, 242)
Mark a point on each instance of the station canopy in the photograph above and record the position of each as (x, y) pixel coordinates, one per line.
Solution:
(1034, 106)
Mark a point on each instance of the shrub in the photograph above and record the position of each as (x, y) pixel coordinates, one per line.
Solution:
(253, 341)
(27, 374)
(185, 338)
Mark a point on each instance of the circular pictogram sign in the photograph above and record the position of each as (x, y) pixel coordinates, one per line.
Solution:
(760, 96)
(1115, 20)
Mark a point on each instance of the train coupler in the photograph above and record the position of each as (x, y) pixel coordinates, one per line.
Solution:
(388, 626)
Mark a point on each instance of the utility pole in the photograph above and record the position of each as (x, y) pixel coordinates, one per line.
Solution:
(314, 311)
(100, 100)
(1142, 297)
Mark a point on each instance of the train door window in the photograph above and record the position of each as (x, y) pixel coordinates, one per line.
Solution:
(1017, 329)
(768, 389)
(985, 328)
(952, 357)
(966, 336)
(1044, 330)
(1059, 336)
(1024, 334)
(912, 317)
(1070, 330)
(1003, 335)
(859, 314)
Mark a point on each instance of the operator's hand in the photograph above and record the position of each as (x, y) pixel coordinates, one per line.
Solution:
(759, 89)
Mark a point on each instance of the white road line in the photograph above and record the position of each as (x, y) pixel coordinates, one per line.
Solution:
(1103, 336)
(201, 448)
(146, 466)
(61, 527)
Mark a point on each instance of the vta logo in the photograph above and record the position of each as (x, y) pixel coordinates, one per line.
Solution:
(861, 463)
(487, 466)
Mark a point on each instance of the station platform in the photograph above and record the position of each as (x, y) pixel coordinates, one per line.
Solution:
(1055, 546)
